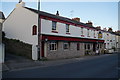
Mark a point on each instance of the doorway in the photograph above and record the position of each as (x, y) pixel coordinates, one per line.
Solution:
(94, 46)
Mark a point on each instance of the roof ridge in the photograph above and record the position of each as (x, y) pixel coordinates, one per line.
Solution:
(59, 17)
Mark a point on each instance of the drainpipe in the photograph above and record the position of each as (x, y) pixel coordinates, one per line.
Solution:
(39, 32)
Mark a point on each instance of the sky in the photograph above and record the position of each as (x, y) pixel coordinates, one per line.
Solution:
(104, 14)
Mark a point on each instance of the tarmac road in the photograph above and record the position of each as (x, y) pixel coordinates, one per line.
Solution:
(97, 67)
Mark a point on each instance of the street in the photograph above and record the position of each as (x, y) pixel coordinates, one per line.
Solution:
(105, 66)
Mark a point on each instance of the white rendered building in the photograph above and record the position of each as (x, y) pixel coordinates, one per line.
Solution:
(60, 37)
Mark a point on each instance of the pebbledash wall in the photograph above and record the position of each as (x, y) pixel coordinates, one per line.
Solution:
(65, 53)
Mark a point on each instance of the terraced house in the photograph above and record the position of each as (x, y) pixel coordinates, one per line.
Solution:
(55, 37)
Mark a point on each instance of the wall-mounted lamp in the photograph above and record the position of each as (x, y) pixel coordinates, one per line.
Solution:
(46, 39)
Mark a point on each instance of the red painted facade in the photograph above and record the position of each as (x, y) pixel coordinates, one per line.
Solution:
(61, 38)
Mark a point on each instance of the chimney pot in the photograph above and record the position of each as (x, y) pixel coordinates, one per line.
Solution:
(20, 4)
(76, 19)
(57, 13)
(89, 23)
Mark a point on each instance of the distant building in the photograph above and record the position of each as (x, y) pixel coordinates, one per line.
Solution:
(119, 43)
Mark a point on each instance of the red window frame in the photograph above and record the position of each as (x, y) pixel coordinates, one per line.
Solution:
(34, 30)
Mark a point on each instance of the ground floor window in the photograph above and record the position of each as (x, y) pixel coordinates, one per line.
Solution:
(104, 45)
(100, 45)
(66, 45)
(78, 46)
(85, 46)
(53, 46)
(88, 46)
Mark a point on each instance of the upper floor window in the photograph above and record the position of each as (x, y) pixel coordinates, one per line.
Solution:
(67, 28)
(34, 30)
(54, 25)
(81, 30)
(94, 33)
(88, 34)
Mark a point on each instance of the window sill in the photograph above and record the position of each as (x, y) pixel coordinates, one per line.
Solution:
(67, 33)
(55, 31)
(88, 36)
(53, 50)
(34, 34)
(66, 49)
(82, 36)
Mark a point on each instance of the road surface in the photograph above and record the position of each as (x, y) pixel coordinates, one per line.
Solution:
(105, 66)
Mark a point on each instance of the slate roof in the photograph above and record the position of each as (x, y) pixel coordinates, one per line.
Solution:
(2, 15)
(63, 18)
(58, 17)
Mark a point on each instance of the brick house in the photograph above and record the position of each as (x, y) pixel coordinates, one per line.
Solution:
(60, 37)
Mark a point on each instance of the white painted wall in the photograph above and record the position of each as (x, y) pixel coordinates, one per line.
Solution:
(19, 26)
(2, 55)
(0, 33)
(1, 20)
(61, 28)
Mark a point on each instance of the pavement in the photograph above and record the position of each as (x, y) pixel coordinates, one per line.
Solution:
(103, 66)
(13, 63)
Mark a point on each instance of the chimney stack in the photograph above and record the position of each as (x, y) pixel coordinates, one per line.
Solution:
(104, 29)
(90, 23)
(110, 29)
(20, 4)
(57, 13)
(98, 27)
(76, 19)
